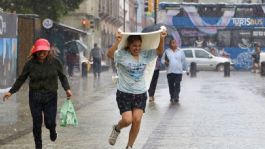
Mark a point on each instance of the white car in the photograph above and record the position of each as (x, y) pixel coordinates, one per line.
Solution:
(204, 59)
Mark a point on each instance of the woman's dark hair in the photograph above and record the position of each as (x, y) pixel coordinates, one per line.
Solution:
(131, 39)
(49, 56)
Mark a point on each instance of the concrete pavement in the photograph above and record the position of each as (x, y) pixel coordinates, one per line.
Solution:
(214, 113)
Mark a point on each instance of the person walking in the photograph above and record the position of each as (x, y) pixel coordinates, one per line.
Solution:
(175, 61)
(43, 71)
(131, 92)
(153, 84)
(256, 58)
(96, 55)
(71, 60)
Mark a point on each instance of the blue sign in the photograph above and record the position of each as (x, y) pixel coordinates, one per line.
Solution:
(234, 22)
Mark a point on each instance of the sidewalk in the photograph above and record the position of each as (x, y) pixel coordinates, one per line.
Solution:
(15, 115)
(214, 113)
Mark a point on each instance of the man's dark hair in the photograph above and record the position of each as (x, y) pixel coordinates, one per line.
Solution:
(256, 44)
(172, 39)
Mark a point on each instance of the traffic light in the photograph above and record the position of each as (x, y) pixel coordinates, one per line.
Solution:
(145, 6)
(150, 6)
(91, 24)
(85, 23)
(157, 5)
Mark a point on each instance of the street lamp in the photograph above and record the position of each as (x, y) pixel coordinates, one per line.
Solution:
(136, 13)
(124, 15)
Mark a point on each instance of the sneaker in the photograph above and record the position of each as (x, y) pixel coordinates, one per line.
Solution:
(176, 100)
(128, 147)
(114, 135)
(53, 135)
(151, 98)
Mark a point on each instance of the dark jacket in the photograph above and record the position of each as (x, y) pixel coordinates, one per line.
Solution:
(42, 76)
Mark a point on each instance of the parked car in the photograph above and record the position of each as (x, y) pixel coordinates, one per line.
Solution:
(204, 59)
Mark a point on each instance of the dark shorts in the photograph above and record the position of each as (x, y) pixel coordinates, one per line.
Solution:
(128, 101)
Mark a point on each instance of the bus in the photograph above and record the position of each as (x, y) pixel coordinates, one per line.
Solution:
(229, 30)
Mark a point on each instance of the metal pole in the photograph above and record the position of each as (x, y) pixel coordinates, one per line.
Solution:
(136, 20)
(124, 15)
(136, 15)
(155, 10)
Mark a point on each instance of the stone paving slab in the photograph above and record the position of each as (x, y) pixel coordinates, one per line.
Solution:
(214, 113)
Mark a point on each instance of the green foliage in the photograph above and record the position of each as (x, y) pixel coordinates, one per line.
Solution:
(53, 9)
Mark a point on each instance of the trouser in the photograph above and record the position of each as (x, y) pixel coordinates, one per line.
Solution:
(152, 88)
(96, 65)
(174, 84)
(42, 103)
(70, 70)
(84, 70)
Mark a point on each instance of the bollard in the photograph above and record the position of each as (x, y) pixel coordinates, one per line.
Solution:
(84, 70)
(193, 69)
(262, 68)
(227, 69)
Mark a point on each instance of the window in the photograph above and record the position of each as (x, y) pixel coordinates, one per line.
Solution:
(188, 41)
(258, 11)
(241, 38)
(258, 37)
(210, 11)
(224, 38)
(244, 12)
(201, 54)
(188, 53)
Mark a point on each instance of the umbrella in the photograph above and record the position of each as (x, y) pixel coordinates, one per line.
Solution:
(171, 31)
(155, 27)
(75, 46)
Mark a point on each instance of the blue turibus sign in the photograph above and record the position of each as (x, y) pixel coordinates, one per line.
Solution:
(233, 28)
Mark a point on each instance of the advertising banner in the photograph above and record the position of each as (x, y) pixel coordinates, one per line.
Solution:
(8, 50)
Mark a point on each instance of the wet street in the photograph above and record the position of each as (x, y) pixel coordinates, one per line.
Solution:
(214, 113)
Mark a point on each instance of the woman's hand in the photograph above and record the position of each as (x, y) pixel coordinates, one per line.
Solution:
(163, 33)
(69, 93)
(6, 96)
(114, 47)
(118, 36)
(160, 47)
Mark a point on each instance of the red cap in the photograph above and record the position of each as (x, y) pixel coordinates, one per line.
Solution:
(40, 45)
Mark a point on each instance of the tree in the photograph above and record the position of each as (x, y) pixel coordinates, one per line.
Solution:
(52, 9)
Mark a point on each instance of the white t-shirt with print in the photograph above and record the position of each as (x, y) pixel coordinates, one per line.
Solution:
(131, 71)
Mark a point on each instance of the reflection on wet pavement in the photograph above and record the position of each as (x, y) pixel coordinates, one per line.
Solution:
(214, 112)
(15, 114)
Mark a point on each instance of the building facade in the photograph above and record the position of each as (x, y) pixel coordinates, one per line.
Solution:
(111, 18)
(86, 18)
(216, 1)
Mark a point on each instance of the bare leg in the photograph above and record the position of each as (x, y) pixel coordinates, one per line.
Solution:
(136, 123)
(126, 120)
